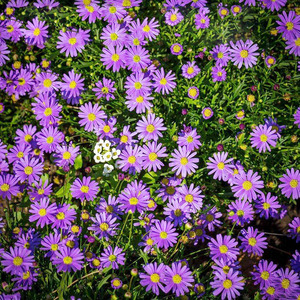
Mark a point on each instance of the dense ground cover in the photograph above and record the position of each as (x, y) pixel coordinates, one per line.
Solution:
(149, 149)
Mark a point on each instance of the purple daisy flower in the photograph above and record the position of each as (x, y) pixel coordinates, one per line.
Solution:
(112, 257)
(223, 267)
(207, 113)
(190, 70)
(264, 274)
(173, 17)
(151, 154)
(36, 33)
(92, 12)
(178, 278)
(131, 159)
(65, 155)
(63, 216)
(116, 283)
(235, 9)
(3, 54)
(91, 116)
(105, 89)
(218, 73)
(169, 189)
(270, 61)
(290, 185)
(114, 57)
(289, 24)
(221, 53)
(49, 138)
(223, 12)
(266, 206)
(46, 82)
(164, 83)
(68, 259)
(86, 189)
(223, 247)
(112, 206)
(271, 291)
(220, 166)
(201, 21)
(193, 92)
(275, 4)
(240, 211)
(41, 212)
(14, 30)
(293, 45)
(114, 35)
(262, 137)
(294, 229)
(137, 58)
(188, 137)
(50, 4)
(17, 261)
(26, 135)
(112, 12)
(126, 138)
(192, 196)
(289, 282)
(106, 128)
(252, 241)
(177, 212)
(8, 186)
(244, 53)
(183, 161)
(163, 234)
(153, 277)
(297, 117)
(104, 225)
(247, 185)
(139, 103)
(28, 169)
(138, 84)
(41, 190)
(275, 126)
(150, 128)
(228, 285)
(176, 49)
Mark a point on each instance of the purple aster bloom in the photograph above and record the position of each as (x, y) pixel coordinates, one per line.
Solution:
(266, 206)
(3, 53)
(28, 169)
(41, 212)
(176, 49)
(104, 225)
(134, 197)
(138, 84)
(192, 196)
(297, 117)
(91, 116)
(68, 259)
(65, 155)
(112, 206)
(289, 282)
(2, 106)
(3, 150)
(46, 3)
(36, 33)
(49, 138)
(112, 257)
(178, 279)
(25, 82)
(149, 29)
(137, 58)
(25, 280)
(270, 61)
(247, 185)
(193, 92)
(14, 30)
(17, 152)
(164, 234)
(190, 70)
(236, 9)
(220, 166)
(201, 21)
(290, 185)
(131, 159)
(248, 2)
(164, 83)
(275, 126)
(177, 212)
(240, 211)
(264, 274)
(106, 128)
(223, 247)
(71, 87)
(63, 216)
(72, 42)
(51, 243)
(105, 89)
(41, 190)
(173, 17)
(207, 113)
(197, 234)
(228, 285)
(151, 154)
(244, 52)
(114, 57)
(150, 128)
(139, 103)
(223, 12)
(169, 190)
(218, 73)
(47, 82)
(294, 229)
(271, 290)
(223, 267)
(116, 283)
(221, 53)
(17, 3)
(153, 277)
(275, 4)
(252, 241)
(293, 45)
(18, 260)
(183, 161)
(112, 12)
(289, 24)
(8, 186)
(86, 189)
(295, 261)
(114, 35)
(262, 137)
(92, 12)
(126, 138)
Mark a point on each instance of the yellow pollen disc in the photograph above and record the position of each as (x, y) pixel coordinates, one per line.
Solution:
(177, 279)
(70, 244)
(48, 112)
(240, 213)
(184, 161)
(240, 114)
(75, 228)
(115, 57)
(202, 21)
(28, 170)
(223, 12)
(45, 64)
(131, 159)
(289, 26)
(247, 185)
(263, 138)
(139, 99)
(251, 98)
(9, 28)
(67, 155)
(20, 154)
(116, 282)
(106, 128)
(223, 249)
(265, 275)
(297, 42)
(163, 235)
(36, 32)
(73, 84)
(207, 113)
(112, 258)
(244, 53)
(137, 85)
(152, 156)
(270, 290)
(113, 36)
(170, 190)
(190, 70)
(84, 189)
(28, 138)
(177, 212)
(9, 11)
(50, 140)
(42, 212)
(236, 9)
(189, 198)
(17, 261)
(209, 218)
(91, 117)
(219, 73)
(72, 41)
(266, 205)
(60, 216)
(199, 232)
(104, 90)
(150, 128)
(270, 61)
(109, 209)
(220, 55)
(136, 42)
(26, 275)
(252, 241)
(54, 247)
(90, 9)
(154, 277)
(112, 10)
(136, 58)
(96, 262)
(133, 201)
(21, 81)
(220, 165)
(163, 81)
(285, 283)
(104, 226)
(227, 284)
(124, 139)
(298, 229)
(146, 28)
(176, 48)
(226, 269)
(149, 242)
(68, 260)
(4, 187)
(151, 204)
(294, 183)
(27, 245)
(173, 18)
(47, 83)
(86, 2)
(126, 3)
(192, 92)
(17, 65)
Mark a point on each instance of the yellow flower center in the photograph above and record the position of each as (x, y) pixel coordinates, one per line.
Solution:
(115, 57)
(104, 226)
(193, 92)
(184, 161)
(163, 81)
(226, 269)
(163, 235)
(265, 275)
(48, 111)
(199, 232)
(116, 282)
(244, 53)
(220, 54)
(154, 277)
(297, 42)
(236, 9)
(289, 26)
(9, 11)
(112, 10)
(189, 198)
(9, 28)
(149, 242)
(133, 201)
(137, 85)
(68, 260)
(247, 185)
(139, 99)
(177, 212)
(220, 165)
(73, 84)
(91, 117)
(207, 113)
(294, 183)
(190, 70)
(50, 140)
(109, 209)
(28, 170)
(209, 218)
(136, 42)
(36, 32)
(42, 212)
(113, 36)
(223, 249)
(271, 61)
(227, 284)
(75, 229)
(173, 17)
(146, 28)
(240, 213)
(176, 48)
(21, 81)
(240, 114)
(266, 205)
(270, 290)
(219, 73)
(96, 262)
(136, 58)
(251, 98)
(124, 138)
(170, 190)
(17, 261)
(112, 257)
(84, 189)
(126, 3)
(105, 90)
(60, 216)
(45, 64)
(152, 156)
(67, 155)
(252, 241)
(86, 2)
(263, 138)
(177, 279)
(106, 128)
(28, 138)
(72, 41)
(26, 275)
(150, 128)
(90, 9)
(131, 159)
(4, 187)
(202, 21)
(285, 283)
(47, 83)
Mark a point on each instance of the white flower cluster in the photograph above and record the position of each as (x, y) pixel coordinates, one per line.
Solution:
(105, 153)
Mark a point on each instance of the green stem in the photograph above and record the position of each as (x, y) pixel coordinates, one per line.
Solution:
(122, 229)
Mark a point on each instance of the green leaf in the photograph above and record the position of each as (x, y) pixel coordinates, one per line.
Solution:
(78, 162)
(63, 191)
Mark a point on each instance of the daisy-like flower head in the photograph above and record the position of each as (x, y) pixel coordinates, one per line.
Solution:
(274, 4)
(151, 154)
(131, 159)
(294, 229)
(71, 87)
(192, 196)
(112, 12)
(236, 9)
(92, 12)
(270, 61)
(249, 2)
(137, 58)
(138, 84)
(114, 35)
(295, 261)
(293, 45)
(139, 103)
(8, 186)
(164, 83)
(290, 185)
(240, 211)
(188, 137)
(49, 138)
(114, 57)
(193, 92)
(49, 4)
(112, 257)
(190, 70)
(264, 273)
(176, 49)
(221, 54)
(289, 282)
(207, 113)
(183, 161)
(263, 137)
(201, 21)
(163, 234)
(105, 89)
(223, 12)
(177, 212)
(36, 33)
(47, 82)
(65, 155)
(63, 217)
(218, 73)
(86, 189)
(220, 166)
(289, 24)
(267, 205)
(173, 17)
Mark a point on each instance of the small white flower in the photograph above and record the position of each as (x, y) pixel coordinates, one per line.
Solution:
(115, 153)
(98, 149)
(106, 145)
(97, 158)
(100, 143)
(107, 156)
(102, 159)
(108, 168)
